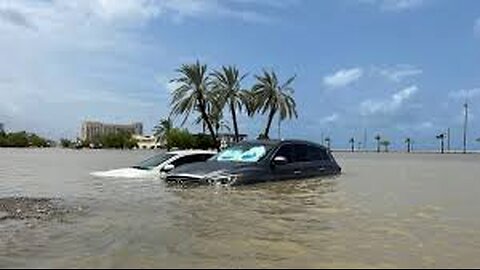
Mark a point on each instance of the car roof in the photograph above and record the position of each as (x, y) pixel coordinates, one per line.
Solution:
(280, 142)
(191, 152)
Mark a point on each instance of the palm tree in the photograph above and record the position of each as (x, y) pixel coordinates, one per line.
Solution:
(385, 144)
(328, 141)
(192, 94)
(215, 114)
(162, 129)
(250, 102)
(408, 141)
(352, 142)
(226, 85)
(441, 137)
(378, 138)
(272, 97)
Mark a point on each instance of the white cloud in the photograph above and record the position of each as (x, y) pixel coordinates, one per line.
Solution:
(330, 119)
(399, 72)
(395, 5)
(464, 93)
(391, 105)
(167, 84)
(28, 13)
(426, 125)
(11, 16)
(343, 77)
(94, 56)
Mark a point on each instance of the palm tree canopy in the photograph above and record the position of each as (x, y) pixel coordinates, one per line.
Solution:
(478, 139)
(352, 140)
(163, 126)
(251, 103)
(408, 140)
(270, 95)
(378, 137)
(226, 84)
(441, 136)
(192, 89)
(385, 143)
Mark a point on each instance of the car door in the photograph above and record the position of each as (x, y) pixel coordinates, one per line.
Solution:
(303, 166)
(284, 171)
(320, 163)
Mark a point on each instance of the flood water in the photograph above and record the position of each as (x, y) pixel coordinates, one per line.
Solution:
(385, 210)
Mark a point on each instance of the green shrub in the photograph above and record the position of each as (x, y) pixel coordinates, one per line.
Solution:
(120, 140)
(182, 139)
(22, 139)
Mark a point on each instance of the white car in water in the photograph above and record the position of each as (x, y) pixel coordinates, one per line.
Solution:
(157, 165)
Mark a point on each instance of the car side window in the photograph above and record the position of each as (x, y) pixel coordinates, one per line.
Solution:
(286, 151)
(204, 157)
(189, 159)
(300, 153)
(317, 153)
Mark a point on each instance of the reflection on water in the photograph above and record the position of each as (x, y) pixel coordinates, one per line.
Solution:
(383, 211)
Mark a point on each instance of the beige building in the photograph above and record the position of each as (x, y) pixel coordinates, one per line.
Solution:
(91, 130)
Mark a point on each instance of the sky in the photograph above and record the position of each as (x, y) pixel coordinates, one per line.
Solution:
(399, 68)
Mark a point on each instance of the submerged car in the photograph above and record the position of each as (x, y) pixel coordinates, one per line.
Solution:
(157, 165)
(251, 162)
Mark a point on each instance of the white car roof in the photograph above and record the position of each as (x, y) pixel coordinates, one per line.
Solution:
(191, 152)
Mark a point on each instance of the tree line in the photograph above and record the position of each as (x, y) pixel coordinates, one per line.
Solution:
(23, 139)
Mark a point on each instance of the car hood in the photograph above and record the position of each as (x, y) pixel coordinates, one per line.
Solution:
(201, 169)
(126, 173)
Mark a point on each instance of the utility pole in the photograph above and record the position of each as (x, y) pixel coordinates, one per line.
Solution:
(465, 127)
(448, 139)
(365, 139)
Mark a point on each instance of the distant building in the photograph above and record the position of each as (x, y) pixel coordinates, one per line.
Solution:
(91, 130)
(227, 139)
(147, 142)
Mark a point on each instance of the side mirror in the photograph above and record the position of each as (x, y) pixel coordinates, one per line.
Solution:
(279, 160)
(168, 167)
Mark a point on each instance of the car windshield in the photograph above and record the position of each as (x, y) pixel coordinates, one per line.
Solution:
(153, 162)
(243, 153)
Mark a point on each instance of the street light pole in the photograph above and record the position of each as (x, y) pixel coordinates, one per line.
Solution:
(448, 139)
(365, 139)
(465, 127)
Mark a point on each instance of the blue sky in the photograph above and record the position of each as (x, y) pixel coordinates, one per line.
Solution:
(395, 67)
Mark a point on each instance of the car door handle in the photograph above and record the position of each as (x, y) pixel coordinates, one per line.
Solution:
(297, 172)
(322, 169)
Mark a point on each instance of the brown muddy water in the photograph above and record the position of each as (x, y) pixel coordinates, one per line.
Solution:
(385, 210)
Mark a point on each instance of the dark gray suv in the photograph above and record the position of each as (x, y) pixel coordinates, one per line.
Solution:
(253, 162)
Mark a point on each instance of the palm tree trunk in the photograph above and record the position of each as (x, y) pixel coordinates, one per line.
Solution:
(378, 146)
(269, 123)
(206, 120)
(234, 120)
